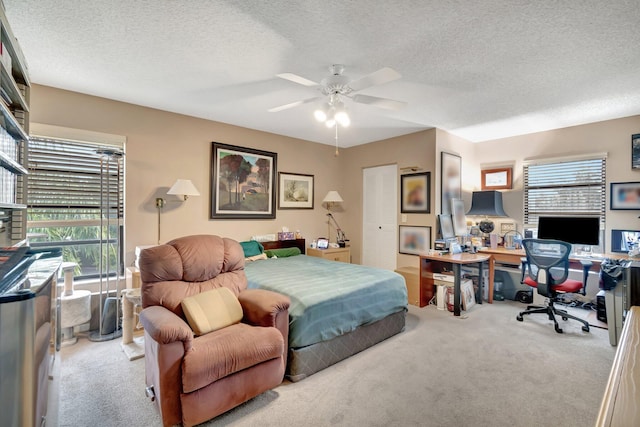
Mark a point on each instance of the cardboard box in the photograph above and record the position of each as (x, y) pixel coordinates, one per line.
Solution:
(415, 294)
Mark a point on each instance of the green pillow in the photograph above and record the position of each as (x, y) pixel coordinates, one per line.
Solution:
(282, 253)
(251, 248)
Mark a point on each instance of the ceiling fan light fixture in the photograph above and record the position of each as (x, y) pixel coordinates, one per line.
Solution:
(330, 122)
(320, 114)
(343, 118)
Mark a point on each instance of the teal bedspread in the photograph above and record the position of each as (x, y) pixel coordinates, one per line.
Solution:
(328, 298)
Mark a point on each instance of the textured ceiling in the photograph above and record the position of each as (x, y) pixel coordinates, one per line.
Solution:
(480, 69)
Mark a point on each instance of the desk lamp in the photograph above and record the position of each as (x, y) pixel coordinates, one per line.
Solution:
(487, 204)
(332, 199)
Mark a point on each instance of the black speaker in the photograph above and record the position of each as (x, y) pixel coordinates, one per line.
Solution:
(601, 307)
(525, 297)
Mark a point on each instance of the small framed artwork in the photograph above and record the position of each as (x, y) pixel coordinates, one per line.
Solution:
(414, 188)
(625, 195)
(450, 180)
(467, 296)
(295, 191)
(414, 240)
(505, 227)
(635, 151)
(242, 182)
(496, 179)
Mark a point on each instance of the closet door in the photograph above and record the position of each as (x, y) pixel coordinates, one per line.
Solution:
(380, 217)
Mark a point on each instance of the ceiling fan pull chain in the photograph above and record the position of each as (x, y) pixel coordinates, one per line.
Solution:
(337, 153)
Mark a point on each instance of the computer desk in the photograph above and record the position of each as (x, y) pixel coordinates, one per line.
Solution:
(616, 299)
(456, 261)
(513, 256)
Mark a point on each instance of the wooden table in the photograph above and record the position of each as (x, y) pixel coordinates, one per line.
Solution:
(456, 261)
(512, 257)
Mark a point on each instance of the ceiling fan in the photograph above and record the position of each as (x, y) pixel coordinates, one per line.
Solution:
(337, 85)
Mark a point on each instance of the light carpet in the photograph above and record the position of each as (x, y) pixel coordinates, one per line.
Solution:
(485, 369)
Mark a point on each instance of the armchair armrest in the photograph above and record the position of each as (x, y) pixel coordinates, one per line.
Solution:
(165, 327)
(261, 307)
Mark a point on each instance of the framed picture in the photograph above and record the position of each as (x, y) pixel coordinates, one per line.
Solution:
(625, 195)
(496, 179)
(467, 295)
(451, 185)
(635, 151)
(505, 227)
(242, 182)
(295, 191)
(414, 240)
(414, 188)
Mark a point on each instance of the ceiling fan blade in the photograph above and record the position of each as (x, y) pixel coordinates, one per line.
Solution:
(293, 104)
(379, 77)
(297, 79)
(385, 103)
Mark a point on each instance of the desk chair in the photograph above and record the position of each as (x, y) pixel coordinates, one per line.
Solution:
(546, 268)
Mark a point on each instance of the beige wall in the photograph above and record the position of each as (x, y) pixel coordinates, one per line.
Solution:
(612, 137)
(416, 149)
(163, 146)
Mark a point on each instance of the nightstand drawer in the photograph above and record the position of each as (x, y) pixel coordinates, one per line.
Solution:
(332, 254)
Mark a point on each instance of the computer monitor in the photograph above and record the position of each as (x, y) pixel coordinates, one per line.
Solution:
(574, 230)
(624, 240)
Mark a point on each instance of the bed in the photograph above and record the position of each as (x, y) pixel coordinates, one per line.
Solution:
(337, 309)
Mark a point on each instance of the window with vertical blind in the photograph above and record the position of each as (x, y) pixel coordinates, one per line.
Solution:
(75, 201)
(568, 188)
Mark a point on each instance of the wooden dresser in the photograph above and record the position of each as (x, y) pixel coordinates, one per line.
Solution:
(332, 254)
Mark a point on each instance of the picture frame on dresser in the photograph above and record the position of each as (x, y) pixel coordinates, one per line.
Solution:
(243, 182)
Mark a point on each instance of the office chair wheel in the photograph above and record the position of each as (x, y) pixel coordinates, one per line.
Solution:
(558, 329)
(519, 317)
(585, 328)
(565, 318)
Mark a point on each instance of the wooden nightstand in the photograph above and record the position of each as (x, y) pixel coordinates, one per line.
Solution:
(332, 254)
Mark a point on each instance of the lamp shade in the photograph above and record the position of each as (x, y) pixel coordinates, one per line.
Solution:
(487, 203)
(184, 187)
(332, 197)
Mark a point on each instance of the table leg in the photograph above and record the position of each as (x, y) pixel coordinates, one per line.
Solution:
(480, 282)
(456, 289)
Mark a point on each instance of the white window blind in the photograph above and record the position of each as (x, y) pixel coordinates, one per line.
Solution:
(565, 188)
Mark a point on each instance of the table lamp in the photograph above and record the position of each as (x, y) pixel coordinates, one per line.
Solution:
(332, 199)
(487, 204)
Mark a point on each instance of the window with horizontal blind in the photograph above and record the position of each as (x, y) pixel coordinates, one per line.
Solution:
(75, 201)
(568, 188)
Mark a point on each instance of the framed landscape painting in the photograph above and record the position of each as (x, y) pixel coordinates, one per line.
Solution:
(295, 191)
(242, 182)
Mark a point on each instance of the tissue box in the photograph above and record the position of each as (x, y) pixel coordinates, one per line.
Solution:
(286, 235)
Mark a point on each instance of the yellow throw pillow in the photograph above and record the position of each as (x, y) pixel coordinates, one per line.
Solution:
(212, 310)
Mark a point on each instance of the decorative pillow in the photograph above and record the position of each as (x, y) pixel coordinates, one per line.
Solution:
(256, 257)
(282, 253)
(212, 310)
(252, 248)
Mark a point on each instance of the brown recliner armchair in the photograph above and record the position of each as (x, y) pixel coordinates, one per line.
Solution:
(196, 378)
